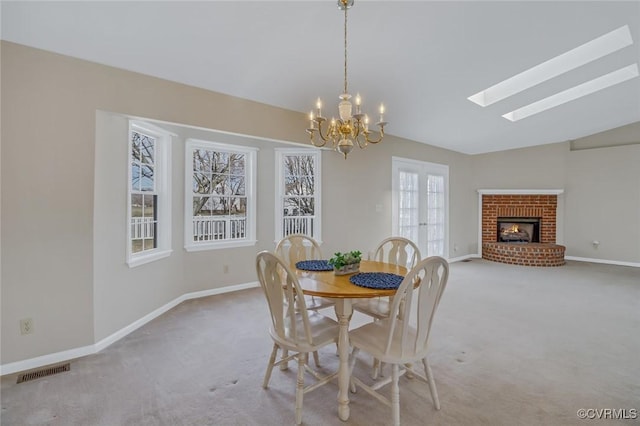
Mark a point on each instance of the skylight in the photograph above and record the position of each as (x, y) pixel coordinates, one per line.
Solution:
(581, 55)
(584, 89)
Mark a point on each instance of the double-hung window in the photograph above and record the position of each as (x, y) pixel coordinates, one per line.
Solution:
(220, 206)
(298, 193)
(149, 200)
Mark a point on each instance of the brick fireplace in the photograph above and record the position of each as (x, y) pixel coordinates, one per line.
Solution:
(521, 206)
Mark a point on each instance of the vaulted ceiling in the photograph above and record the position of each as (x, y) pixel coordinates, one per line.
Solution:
(423, 59)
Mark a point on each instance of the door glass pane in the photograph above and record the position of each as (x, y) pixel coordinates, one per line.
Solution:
(420, 204)
(435, 215)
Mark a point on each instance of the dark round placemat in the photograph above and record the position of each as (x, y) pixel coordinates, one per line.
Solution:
(314, 265)
(379, 280)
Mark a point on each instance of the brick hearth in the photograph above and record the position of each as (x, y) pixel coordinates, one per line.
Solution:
(543, 206)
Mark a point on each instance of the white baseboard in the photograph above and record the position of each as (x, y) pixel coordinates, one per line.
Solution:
(461, 258)
(609, 262)
(57, 357)
(577, 259)
(54, 358)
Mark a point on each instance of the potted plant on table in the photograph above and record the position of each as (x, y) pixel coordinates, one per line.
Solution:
(346, 263)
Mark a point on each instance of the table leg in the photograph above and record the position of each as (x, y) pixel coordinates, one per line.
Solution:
(343, 311)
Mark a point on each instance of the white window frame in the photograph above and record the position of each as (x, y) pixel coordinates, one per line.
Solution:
(280, 189)
(250, 192)
(426, 168)
(162, 180)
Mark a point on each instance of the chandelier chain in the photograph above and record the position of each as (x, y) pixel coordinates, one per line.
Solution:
(345, 49)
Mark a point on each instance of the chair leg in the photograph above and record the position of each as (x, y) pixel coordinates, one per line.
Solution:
(284, 366)
(376, 369)
(352, 363)
(316, 358)
(302, 360)
(395, 395)
(409, 373)
(432, 383)
(272, 360)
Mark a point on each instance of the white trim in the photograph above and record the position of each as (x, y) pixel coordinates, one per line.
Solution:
(162, 184)
(279, 194)
(251, 164)
(575, 258)
(219, 131)
(224, 244)
(151, 256)
(461, 258)
(520, 191)
(28, 364)
(425, 168)
(67, 355)
(606, 261)
(480, 221)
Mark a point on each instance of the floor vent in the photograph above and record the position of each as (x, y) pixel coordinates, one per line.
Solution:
(44, 372)
(466, 260)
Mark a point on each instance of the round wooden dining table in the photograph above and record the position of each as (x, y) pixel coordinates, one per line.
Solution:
(338, 287)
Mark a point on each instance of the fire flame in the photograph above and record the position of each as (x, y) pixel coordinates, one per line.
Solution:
(514, 228)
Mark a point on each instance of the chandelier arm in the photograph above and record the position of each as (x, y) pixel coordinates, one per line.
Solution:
(372, 141)
(362, 144)
(326, 137)
(313, 142)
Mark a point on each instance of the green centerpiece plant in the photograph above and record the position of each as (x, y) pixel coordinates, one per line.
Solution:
(346, 263)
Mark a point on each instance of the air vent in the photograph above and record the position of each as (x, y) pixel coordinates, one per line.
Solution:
(44, 372)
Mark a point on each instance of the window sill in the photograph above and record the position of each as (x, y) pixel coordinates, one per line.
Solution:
(147, 258)
(219, 245)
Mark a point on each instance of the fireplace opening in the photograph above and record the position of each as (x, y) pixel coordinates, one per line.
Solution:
(518, 229)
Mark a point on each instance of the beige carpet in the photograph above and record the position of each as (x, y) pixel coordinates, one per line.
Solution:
(511, 345)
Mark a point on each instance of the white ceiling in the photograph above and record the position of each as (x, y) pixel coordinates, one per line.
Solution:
(421, 58)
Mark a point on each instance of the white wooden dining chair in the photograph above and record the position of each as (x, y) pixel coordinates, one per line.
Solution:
(294, 329)
(403, 340)
(292, 249)
(395, 250)
(296, 247)
(398, 251)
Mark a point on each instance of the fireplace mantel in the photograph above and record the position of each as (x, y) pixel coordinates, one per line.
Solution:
(520, 191)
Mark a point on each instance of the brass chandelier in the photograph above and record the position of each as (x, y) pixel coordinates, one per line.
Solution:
(349, 129)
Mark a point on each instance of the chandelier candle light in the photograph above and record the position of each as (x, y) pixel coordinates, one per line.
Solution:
(349, 128)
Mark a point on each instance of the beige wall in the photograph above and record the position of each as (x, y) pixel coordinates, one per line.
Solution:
(64, 196)
(601, 199)
(603, 203)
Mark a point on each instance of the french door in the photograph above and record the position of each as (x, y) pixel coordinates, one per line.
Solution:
(420, 204)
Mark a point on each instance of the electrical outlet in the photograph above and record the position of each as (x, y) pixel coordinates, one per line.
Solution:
(225, 269)
(26, 326)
